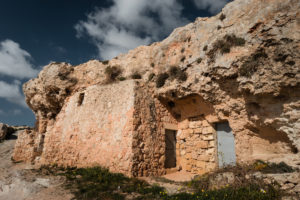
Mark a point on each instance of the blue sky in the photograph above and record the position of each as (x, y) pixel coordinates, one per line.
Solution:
(36, 32)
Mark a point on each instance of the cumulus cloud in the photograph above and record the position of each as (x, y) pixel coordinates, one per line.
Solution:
(14, 61)
(11, 92)
(130, 23)
(213, 6)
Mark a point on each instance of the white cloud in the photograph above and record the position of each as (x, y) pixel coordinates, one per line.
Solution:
(130, 23)
(213, 6)
(14, 61)
(11, 92)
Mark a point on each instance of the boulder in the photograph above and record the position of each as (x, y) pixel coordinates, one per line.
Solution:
(3, 131)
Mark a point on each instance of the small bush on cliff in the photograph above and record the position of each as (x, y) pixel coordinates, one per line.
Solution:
(112, 73)
(222, 17)
(136, 75)
(151, 76)
(176, 73)
(161, 79)
(105, 62)
(250, 65)
(122, 78)
(224, 45)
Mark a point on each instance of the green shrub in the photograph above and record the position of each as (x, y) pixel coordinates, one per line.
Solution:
(222, 17)
(273, 168)
(182, 76)
(161, 79)
(249, 192)
(182, 59)
(112, 73)
(151, 76)
(176, 73)
(136, 75)
(99, 183)
(122, 78)
(224, 45)
(199, 60)
(105, 62)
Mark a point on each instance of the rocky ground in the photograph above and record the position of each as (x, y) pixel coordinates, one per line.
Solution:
(19, 181)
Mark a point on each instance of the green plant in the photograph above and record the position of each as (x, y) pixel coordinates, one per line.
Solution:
(199, 60)
(205, 48)
(182, 59)
(222, 17)
(99, 183)
(273, 168)
(105, 62)
(250, 65)
(112, 73)
(161, 79)
(151, 76)
(122, 78)
(182, 50)
(176, 73)
(152, 64)
(136, 75)
(224, 45)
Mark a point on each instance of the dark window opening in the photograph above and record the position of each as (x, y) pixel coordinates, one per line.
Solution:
(80, 99)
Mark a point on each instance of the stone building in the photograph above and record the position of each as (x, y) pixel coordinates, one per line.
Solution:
(235, 105)
(124, 127)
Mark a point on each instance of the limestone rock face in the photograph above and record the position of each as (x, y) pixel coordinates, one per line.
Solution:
(244, 69)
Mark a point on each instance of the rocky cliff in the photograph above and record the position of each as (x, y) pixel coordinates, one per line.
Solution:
(244, 63)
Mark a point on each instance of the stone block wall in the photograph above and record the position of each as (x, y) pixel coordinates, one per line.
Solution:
(148, 138)
(196, 138)
(196, 146)
(94, 127)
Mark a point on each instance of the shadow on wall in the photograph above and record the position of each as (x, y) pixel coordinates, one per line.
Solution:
(189, 107)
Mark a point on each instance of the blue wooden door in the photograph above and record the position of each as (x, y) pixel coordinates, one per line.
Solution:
(226, 145)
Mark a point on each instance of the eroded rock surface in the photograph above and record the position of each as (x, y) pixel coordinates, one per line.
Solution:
(243, 69)
(19, 181)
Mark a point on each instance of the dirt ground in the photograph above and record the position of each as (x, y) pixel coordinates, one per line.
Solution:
(20, 182)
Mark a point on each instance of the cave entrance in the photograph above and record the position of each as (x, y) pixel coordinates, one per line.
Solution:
(226, 145)
(170, 152)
